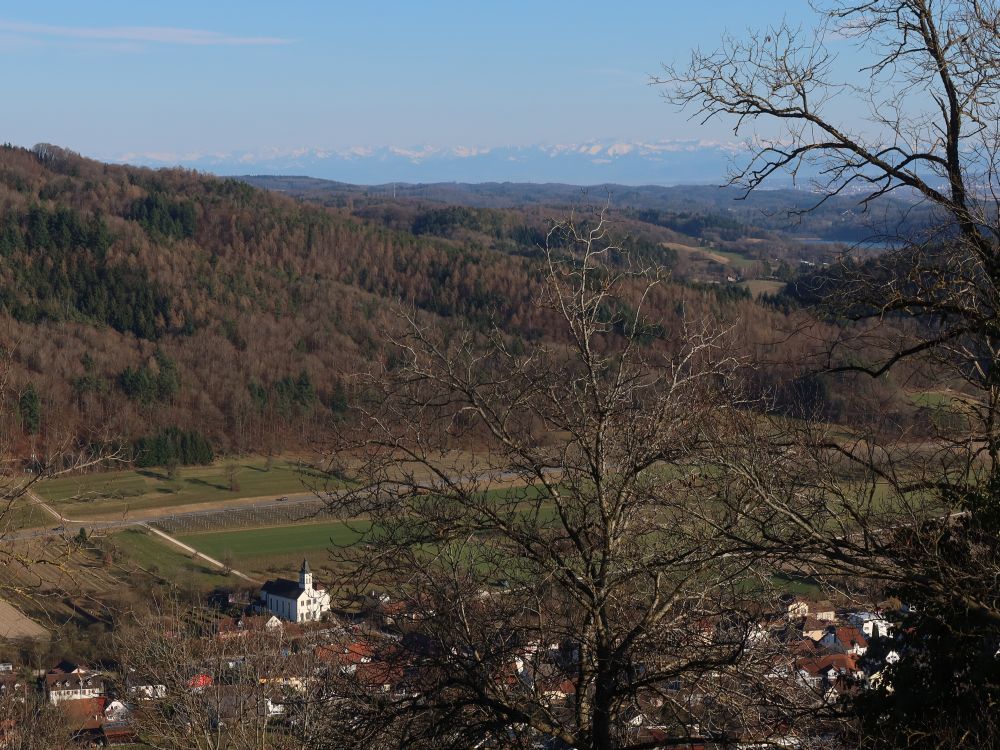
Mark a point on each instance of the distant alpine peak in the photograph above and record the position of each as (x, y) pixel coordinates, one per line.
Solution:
(667, 161)
(421, 152)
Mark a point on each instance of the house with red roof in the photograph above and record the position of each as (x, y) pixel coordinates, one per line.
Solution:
(346, 656)
(828, 669)
(845, 640)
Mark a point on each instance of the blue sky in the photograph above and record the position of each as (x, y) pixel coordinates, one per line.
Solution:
(181, 77)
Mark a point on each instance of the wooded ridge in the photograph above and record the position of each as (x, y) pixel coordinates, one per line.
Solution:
(134, 301)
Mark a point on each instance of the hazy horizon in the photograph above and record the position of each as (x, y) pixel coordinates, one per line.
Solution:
(189, 83)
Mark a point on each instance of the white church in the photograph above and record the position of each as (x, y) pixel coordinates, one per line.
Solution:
(295, 601)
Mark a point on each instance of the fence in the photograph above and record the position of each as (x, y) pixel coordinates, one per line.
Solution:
(271, 514)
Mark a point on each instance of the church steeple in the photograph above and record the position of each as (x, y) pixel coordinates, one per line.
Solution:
(305, 576)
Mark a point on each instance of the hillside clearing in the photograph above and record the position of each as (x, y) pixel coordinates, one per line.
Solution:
(757, 287)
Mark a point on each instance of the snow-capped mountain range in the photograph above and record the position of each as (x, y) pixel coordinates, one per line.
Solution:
(624, 162)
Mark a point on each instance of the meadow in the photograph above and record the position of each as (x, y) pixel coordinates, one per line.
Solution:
(934, 399)
(260, 545)
(116, 492)
(757, 287)
(159, 558)
(24, 514)
(725, 257)
(269, 549)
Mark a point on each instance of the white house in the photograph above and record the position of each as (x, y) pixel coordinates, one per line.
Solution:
(295, 601)
(11, 684)
(68, 682)
(795, 606)
(871, 624)
(144, 688)
(822, 610)
(116, 712)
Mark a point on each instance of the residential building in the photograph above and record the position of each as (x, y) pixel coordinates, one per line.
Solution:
(69, 681)
(845, 640)
(872, 624)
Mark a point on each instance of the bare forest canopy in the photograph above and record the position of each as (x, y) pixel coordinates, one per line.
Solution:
(191, 315)
(688, 208)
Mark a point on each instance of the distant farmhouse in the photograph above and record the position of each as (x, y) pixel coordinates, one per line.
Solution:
(295, 601)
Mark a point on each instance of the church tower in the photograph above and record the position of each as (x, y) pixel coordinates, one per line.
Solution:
(305, 577)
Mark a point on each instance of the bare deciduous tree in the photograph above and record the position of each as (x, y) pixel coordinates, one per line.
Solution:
(556, 584)
(931, 131)
(22, 471)
(27, 721)
(918, 515)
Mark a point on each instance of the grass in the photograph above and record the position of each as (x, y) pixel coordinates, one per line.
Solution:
(757, 287)
(25, 515)
(795, 585)
(736, 259)
(118, 491)
(262, 549)
(142, 549)
(279, 549)
(726, 257)
(780, 583)
(258, 546)
(932, 399)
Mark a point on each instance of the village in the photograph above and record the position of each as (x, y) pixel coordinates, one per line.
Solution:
(265, 661)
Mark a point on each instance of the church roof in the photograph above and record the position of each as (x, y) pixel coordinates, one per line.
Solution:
(283, 587)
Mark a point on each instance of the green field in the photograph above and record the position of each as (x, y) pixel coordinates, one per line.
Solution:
(278, 550)
(116, 492)
(158, 557)
(712, 253)
(794, 585)
(256, 549)
(273, 540)
(264, 549)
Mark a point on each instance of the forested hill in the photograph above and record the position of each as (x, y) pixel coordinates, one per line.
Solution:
(794, 213)
(172, 306)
